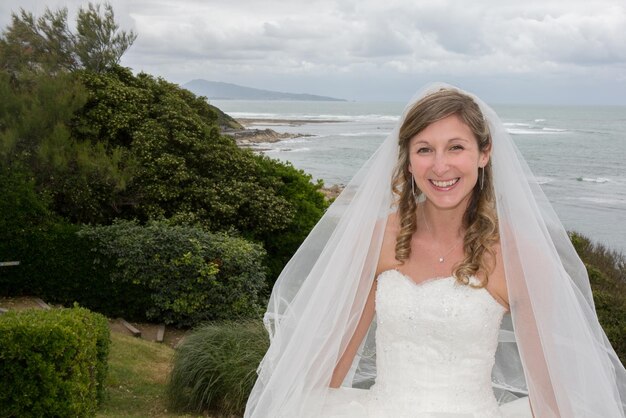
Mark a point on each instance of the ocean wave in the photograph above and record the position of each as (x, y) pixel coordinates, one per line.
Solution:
(536, 131)
(543, 180)
(522, 128)
(373, 117)
(603, 201)
(361, 134)
(592, 180)
(275, 150)
(296, 140)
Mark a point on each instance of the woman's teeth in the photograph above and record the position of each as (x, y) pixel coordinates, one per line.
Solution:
(444, 183)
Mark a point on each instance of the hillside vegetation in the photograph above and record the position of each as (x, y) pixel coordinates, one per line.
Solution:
(85, 141)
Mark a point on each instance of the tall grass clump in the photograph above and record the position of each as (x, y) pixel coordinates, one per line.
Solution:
(214, 368)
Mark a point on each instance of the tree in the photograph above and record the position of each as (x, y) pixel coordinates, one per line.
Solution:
(38, 45)
(47, 45)
(99, 43)
(84, 181)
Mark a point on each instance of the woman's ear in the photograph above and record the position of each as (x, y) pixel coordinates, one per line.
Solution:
(484, 157)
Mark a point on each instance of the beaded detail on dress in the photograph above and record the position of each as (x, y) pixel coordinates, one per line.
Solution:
(435, 345)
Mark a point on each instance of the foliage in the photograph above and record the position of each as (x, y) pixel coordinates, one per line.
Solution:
(47, 45)
(180, 274)
(101, 143)
(186, 170)
(215, 367)
(52, 363)
(83, 180)
(53, 260)
(607, 275)
(21, 208)
(99, 42)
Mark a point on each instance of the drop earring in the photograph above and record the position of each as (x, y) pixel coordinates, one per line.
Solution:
(482, 178)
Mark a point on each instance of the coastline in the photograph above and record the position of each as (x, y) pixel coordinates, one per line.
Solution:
(249, 137)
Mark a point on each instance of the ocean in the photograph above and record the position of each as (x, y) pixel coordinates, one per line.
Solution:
(577, 153)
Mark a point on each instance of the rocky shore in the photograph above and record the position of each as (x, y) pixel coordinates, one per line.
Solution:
(248, 137)
(251, 137)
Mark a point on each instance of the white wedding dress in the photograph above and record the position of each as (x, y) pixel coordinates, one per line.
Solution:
(435, 345)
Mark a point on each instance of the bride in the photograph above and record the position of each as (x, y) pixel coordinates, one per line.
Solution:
(440, 283)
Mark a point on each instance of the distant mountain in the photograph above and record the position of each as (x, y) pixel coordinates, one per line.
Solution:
(216, 90)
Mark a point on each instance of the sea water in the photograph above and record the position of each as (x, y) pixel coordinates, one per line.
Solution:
(576, 153)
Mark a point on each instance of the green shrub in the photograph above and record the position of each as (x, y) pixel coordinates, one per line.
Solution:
(607, 275)
(180, 274)
(52, 363)
(55, 264)
(214, 369)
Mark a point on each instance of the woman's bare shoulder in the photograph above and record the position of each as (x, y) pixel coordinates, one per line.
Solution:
(497, 278)
(387, 259)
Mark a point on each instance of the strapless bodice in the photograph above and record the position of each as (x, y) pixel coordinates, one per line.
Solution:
(435, 344)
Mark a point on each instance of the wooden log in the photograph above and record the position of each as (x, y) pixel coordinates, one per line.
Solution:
(160, 333)
(9, 263)
(41, 303)
(130, 327)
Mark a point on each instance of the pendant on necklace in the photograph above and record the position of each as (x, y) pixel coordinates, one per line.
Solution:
(441, 259)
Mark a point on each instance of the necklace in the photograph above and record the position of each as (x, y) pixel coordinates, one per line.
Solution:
(443, 257)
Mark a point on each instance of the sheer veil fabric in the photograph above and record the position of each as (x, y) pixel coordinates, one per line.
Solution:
(551, 345)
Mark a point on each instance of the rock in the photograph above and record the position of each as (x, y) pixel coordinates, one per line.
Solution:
(248, 137)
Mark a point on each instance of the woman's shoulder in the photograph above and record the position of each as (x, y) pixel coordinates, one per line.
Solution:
(497, 278)
(387, 259)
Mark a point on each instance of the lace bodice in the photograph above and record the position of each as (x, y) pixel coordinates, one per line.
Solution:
(435, 344)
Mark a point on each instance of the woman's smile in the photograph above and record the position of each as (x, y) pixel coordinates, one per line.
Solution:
(444, 185)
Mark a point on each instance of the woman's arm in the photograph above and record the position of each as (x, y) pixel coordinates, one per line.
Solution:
(345, 362)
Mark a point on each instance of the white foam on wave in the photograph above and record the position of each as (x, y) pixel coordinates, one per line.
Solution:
(285, 149)
(522, 128)
(254, 115)
(543, 180)
(603, 201)
(314, 117)
(361, 134)
(592, 180)
(541, 131)
(298, 140)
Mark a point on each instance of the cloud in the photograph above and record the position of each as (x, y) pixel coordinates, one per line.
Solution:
(248, 40)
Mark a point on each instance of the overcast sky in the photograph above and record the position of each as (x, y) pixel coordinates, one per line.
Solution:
(536, 52)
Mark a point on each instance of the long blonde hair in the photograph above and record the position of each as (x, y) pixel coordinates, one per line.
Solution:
(480, 219)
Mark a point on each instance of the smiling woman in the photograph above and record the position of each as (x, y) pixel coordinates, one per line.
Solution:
(438, 284)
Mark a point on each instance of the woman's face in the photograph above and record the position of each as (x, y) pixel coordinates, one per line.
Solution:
(444, 160)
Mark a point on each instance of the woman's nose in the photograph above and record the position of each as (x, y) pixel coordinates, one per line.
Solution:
(440, 164)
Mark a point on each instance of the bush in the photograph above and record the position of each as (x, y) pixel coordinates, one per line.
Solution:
(180, 274)
(52, 363)
(607, 275)
(214, 369)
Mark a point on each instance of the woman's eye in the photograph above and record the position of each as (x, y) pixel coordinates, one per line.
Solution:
(457, 147)
(423, 150)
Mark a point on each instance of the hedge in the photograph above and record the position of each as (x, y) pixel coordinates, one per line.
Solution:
(52, 363)
(179, 274)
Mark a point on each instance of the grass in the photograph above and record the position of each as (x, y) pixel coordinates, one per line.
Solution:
(215, 367)
(138, 372)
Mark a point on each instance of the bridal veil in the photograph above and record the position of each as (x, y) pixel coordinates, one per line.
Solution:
(551, 345)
